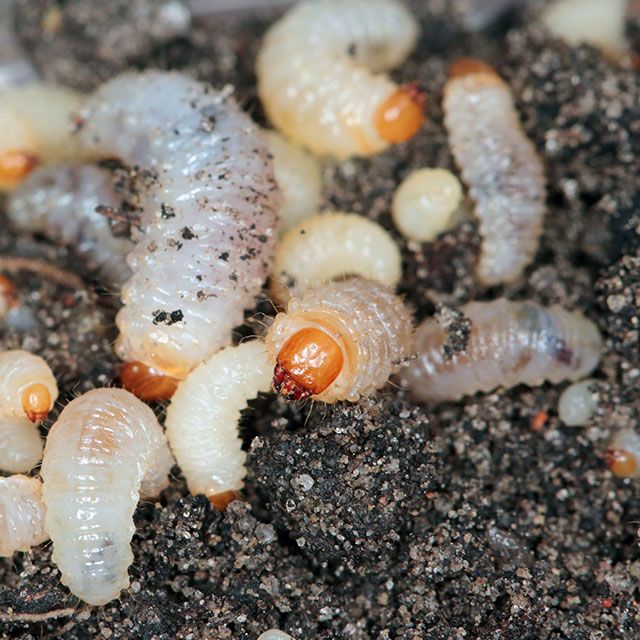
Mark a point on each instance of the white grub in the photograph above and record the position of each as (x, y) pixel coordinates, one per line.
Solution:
(502, 169)
(370, 324)
(21, 448)
(319, 72)
(333, 245)
(20, 371)
(209, 205)
(202, 419)
(424, 204)
(104, 452)
(274, 634)
(623, 454)
(600, 23)
(37, 122)
(22, 514)
(510, 343)
(60, 201)
(578, 403)
(299, 177)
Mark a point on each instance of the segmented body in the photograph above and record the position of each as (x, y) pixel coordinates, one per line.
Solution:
(105, 450)
(318, 72)
(202, 419)
(511, 343)
(209, 206)
(22, 514)
(502, 169)
(60, 201)
(21, 448)
(371, 325)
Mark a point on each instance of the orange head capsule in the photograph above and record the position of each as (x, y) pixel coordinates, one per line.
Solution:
(401, 115)
(146, 383)
(15, 166)
(468, 66)
(222, 500)
(36, 401)
(8, 294)
(623, 464)
(308, 362)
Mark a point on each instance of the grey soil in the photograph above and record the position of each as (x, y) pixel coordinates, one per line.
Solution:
(478, 519)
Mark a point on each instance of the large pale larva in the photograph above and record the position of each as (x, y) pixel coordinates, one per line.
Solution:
(27, 386)
(332, 245)
(510, 343)
(60, 201)
(317, 76)
(339, 342)
(501, 167)
(202, 419)
(208, 217)
(105, 450)
(299, 177)
(21, 444)
(37, 124)
(22, 514)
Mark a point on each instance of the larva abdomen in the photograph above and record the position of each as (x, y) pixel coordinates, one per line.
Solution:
(21, 448)
(501, 167)
(511, 343)
(104, 450)
(369, 325)
(22, 514)
(60, 201)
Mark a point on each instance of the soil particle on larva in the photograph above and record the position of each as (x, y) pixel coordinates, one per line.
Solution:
(526, 535)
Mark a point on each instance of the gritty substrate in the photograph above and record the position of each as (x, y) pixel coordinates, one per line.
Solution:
(382, 519)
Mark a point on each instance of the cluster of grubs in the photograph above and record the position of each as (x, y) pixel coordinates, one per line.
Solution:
(209, 188)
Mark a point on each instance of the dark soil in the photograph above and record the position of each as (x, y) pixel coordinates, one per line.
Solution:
(479, 519)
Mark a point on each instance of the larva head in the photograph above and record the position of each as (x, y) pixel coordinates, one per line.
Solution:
(222, 500)
(8, 295)
(36, 401)
(401, 115)
(15, 165)
(622, 463)
(308, 362)
(469, 66)
(146, 383)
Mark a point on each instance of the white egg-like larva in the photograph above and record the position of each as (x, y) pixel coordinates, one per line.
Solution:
(274, 634)
(424, 204)
(500, 166)
(37, 125)
(578, 403)
(319, 76)
(60, 201)
(623, 454)
(510, 343)
(27, 385)
(104, 452)
(202, 419)
(208, 213)
(22, 514)
(339, 341)
(332, 245)
(299, 177)
(21, 444)
(597, 22)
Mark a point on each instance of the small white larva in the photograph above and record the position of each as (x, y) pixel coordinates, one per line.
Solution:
(510, 343)
(623, 454)
(27, 386)
(202, 419)
(424, 204)
(318, 80)
(37, 125)
(299, 177)
(339, 342)
(501, 167)
(60, 201)
(21, 444)
(22, 514)
(331, 245)
(105, 450)
(274, 634)
(209, 205)
(577, 404)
